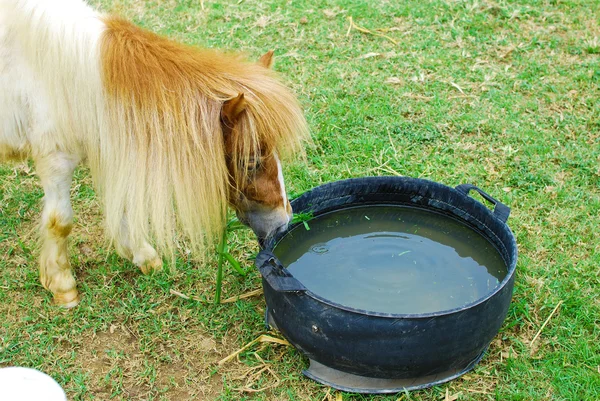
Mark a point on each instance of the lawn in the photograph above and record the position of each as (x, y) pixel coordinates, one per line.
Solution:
(504, 95)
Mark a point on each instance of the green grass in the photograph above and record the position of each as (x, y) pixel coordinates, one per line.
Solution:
(504, 95)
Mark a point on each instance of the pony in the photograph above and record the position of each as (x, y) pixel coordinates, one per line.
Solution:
(172, 134)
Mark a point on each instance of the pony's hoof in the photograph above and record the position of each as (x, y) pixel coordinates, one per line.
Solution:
(151, 266)
(67, 300)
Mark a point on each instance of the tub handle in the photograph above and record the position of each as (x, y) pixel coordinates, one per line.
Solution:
(278, 277)
(501, 211)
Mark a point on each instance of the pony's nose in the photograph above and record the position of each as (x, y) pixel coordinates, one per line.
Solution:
(265, 223)
(264, 241)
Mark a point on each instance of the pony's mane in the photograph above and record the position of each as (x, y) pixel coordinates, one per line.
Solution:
(164, 103)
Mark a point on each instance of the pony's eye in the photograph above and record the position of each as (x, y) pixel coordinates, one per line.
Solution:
(253, 164)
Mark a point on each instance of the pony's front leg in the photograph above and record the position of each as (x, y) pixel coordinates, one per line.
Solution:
(142, 254)
(56, 172)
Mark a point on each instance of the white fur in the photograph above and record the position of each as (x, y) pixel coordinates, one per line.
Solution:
(281, 184)
(50, 99)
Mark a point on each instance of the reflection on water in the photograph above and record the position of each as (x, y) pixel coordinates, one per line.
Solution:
(392, 259)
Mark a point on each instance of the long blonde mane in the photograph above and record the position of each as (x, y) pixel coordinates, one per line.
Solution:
(162, 164)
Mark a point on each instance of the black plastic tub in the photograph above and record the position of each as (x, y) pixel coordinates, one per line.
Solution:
(370, 352)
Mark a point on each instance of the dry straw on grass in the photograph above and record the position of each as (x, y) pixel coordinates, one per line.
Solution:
(261, 339)
(367, 31)
(248, 294)
(532, 344)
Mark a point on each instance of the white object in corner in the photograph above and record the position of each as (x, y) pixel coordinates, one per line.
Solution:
(26, 384)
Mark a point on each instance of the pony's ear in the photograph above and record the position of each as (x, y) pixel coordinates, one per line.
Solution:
(266, 60)
(232, 108)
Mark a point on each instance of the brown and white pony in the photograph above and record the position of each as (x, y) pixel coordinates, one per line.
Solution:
(171, 133)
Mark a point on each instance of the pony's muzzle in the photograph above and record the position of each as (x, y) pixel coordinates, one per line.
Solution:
(263, 241)
(265, 223)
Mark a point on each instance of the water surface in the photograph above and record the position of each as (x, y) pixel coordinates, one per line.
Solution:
(392, 259)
